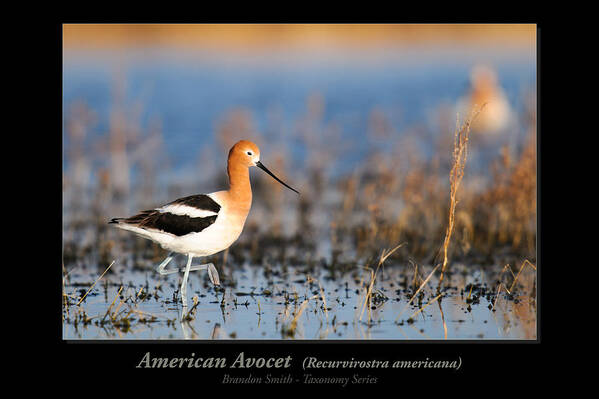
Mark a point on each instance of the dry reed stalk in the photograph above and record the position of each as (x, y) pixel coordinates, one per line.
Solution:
(131, 310)
(360, 285)
(382, 259)
(113, 301)
(216, 332)
(460, 156)
(188, 314)
(142, 313)
(293, 324)
(443, 320)
(119, 333)
(113, 317)
(425, 306)
(498, 292)
(526, 261)
(324, 302)
(470, 292)
(259, 312)
(367, 292)
(417, 291)
(506, 267)
(99, 278)
(417, 277)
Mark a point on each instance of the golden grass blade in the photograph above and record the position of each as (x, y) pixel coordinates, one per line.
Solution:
(324, 302)
(498, 292)
(385, 256)
(142, 313)
(117, 310)
(443, 320)
(367, 294)
(526, 261)
(425, 306)
(382, 259)
(470, 293)
(417, 291)
(460, 156)
(299, 312)
(99, 278)
(113, 301)
(417, 277)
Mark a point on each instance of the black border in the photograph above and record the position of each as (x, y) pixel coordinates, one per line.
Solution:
(487, 358)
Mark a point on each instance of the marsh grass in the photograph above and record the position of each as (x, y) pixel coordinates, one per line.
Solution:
(310, 302)
(290, 329)
(92, 286)
(460, 157)
(422, 286)
(425, 306)
(509, 291)
(368, 289)
(395, 196)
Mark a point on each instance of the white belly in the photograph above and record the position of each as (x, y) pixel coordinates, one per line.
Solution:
(215, 238)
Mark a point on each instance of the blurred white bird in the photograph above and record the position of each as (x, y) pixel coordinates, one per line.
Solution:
(497, 114)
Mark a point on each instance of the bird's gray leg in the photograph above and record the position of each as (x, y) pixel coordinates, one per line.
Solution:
(212, 273)
(200, 267)
(184, 283)
(162, 266)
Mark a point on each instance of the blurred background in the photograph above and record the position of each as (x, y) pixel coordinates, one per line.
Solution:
(359, 118)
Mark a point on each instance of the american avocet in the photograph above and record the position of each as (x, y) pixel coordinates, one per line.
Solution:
(485, 89)
(203, 224)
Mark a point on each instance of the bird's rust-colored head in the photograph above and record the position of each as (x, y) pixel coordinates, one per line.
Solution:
(246, 154)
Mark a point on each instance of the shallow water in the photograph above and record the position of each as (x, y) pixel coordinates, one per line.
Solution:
(263, 307)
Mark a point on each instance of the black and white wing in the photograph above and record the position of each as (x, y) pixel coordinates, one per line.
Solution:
(183, 216)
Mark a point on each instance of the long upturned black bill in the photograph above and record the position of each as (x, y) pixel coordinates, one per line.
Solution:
(259, 164)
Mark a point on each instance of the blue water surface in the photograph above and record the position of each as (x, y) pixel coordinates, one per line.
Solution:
(190, 95)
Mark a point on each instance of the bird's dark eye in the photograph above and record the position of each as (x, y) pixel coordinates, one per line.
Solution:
(249, 153)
